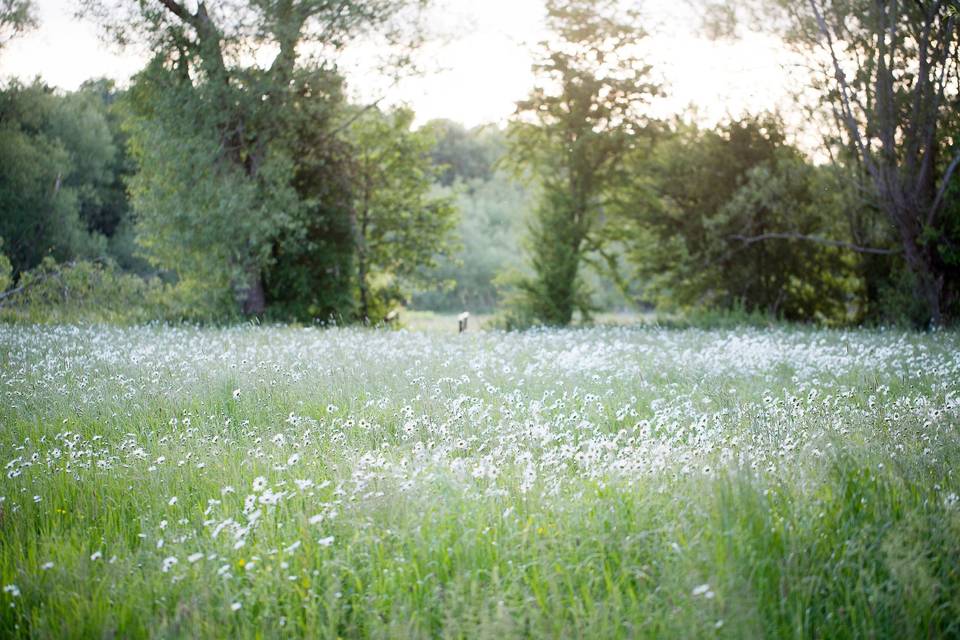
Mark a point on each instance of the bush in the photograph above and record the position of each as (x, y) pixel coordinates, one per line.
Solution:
(718, 318)
(6, 271)
(89, 291)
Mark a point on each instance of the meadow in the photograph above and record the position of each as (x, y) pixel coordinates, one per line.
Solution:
(598, 482)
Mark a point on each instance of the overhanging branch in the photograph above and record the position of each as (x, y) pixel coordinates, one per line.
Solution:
(747, 240)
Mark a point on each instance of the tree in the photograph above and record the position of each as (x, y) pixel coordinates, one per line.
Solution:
(722, 218)
(493, 215)
(890, 76)
(571, 133)
(55, 154)
(16, 16)
(399, 227)
(215, 135)
(464, 154)
(311, 270)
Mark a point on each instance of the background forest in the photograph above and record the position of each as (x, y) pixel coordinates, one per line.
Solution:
(218, 185)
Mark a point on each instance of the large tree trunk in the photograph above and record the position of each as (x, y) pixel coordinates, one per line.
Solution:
(929, 281)
(921, 260)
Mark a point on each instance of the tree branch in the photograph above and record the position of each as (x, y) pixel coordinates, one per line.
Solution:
(840, 78)
(43, 277)
(748, 240)
(180, 11)
(932, 214)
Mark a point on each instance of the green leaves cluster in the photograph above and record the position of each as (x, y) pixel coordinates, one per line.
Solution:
(16, 16)
(260, 180)
(886, 79)
(58, 171)
(730, 218)
(86, 291)
(400, 228)
(571, 133)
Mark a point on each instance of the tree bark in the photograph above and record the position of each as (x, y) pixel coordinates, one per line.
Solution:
(921, 261)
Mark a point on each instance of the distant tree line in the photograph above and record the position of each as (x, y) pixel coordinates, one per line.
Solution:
(216, 188)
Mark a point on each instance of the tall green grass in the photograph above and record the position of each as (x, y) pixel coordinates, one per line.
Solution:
(765, 509)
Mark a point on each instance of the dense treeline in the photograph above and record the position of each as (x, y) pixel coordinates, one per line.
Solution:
(735, 218)
(215, 188)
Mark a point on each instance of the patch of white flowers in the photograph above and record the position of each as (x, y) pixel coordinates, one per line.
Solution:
(351, 418)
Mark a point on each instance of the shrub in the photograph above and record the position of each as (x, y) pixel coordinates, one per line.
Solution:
(93, 291)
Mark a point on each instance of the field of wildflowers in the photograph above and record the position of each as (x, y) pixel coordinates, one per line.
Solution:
(602, 482)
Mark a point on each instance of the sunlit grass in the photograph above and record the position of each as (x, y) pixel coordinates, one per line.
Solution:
(606, 482)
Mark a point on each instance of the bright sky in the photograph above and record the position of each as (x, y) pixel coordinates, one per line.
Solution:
(481, 70)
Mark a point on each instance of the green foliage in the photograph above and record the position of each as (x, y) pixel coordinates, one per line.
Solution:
(895, 300)
(54, 156)
(400, 226)
(16, 16)
(228, 150)
(93, 292)
(710, 318)
(6, 270)
(571, 134)
(311, 275)
(730, 217)
(555, 244)
(493, 215)
(63, 167)
(464, 155)
(107, 210)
